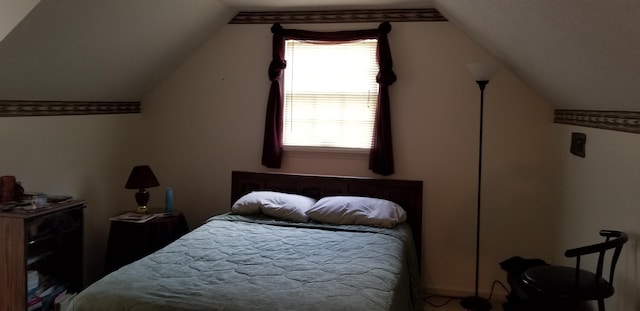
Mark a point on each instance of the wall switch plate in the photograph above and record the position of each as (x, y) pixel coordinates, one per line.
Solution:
(578, 140)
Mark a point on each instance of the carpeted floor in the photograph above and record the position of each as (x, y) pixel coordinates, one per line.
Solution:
(445, 304)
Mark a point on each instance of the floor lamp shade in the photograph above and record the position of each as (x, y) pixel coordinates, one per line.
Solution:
(142, 177)
(482, 73)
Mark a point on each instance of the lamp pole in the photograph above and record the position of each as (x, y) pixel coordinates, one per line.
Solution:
(482, 73)
(476, 302)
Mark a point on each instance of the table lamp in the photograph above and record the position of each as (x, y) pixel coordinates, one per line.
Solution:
(141, 177)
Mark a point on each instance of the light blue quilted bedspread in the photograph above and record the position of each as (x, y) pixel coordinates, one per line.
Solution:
(238, 263)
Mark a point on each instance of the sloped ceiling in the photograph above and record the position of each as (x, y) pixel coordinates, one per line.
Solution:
(12, 13)
(95, 50)
(580, 54)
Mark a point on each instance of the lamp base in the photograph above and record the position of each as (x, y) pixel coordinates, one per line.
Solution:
(142, 210)
(475, 303)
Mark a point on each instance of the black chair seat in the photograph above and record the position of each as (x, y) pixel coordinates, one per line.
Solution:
(559, 281)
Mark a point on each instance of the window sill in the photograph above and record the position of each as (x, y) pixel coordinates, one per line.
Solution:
(326, 151)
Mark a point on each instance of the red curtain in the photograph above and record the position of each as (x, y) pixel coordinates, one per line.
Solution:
(272, 146)
(381, 156)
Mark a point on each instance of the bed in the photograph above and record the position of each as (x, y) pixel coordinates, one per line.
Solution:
(266, 261)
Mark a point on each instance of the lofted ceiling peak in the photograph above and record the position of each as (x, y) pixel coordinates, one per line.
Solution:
(582, 55)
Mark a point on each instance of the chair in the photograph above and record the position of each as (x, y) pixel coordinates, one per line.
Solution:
(555, 284)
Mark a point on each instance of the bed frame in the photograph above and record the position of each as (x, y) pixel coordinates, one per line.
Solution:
(407, 193)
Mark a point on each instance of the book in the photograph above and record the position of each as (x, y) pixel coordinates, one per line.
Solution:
(62, 304)
(164, 215)
(34, 304)
(134, 217)
(58, 198)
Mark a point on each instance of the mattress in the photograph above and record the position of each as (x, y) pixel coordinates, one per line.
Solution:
(236, 262)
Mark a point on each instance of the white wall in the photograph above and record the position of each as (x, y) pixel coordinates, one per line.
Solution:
(600, 191)
(87, 157)
(207, 119)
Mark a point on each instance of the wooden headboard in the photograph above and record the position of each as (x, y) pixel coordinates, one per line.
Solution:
(407, 193)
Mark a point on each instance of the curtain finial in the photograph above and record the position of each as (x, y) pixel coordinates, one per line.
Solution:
(385, 27)
(276, 28)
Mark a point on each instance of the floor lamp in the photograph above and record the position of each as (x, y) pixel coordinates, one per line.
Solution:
(482, 73)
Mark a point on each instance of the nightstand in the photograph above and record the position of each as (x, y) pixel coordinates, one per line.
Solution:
(130, 241)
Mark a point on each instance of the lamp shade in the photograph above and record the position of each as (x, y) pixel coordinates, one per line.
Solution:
(141, 177)
(482, 71)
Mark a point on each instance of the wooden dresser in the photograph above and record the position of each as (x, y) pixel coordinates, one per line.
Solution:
(47, 240)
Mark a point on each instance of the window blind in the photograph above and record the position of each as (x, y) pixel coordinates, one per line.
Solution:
(330, 94)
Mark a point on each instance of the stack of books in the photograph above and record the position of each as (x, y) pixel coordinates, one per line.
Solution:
(46, 294)
(134, 217)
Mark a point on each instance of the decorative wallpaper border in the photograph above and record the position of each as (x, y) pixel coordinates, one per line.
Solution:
(342, 16)
(624, 121)
(18, 108)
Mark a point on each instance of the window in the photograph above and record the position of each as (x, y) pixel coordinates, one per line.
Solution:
(381, 148)
(330, 94)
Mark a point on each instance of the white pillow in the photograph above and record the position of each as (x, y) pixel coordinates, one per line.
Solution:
(275, 204)
(353, 210)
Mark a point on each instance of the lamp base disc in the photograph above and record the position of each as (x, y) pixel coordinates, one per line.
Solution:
(475, 303)
(142, 210)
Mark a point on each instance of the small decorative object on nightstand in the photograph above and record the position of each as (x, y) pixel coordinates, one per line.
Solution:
(130, 241)
(168, 205)
(142, 177)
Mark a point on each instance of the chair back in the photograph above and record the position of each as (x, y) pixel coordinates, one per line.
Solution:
(614, 240)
